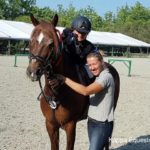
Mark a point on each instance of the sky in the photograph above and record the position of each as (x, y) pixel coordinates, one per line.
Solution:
(100, 6)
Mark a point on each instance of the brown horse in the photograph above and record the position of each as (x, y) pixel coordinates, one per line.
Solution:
(48, 58)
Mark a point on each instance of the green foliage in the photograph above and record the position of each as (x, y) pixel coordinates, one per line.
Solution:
(122, 15)
(139, 13)
(42, 13)
(2, 8)
(14, 8)
(66, 15)
(134, 21)
(95, 19)
(18, 46)
(108, 22)
(23, 18)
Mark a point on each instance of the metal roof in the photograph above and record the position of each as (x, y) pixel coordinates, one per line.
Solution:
(115, 39)
(22, 30)
(15, 30)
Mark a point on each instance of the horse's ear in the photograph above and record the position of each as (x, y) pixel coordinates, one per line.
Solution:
(35, 22)
(55, 20)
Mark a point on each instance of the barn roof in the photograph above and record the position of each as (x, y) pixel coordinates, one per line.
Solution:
(15, 30)
(22, 31)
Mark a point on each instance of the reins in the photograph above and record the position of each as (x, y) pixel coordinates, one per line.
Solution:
(49, 99)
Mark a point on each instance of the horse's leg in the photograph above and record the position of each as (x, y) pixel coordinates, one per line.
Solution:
(70, 129)
(53, 132)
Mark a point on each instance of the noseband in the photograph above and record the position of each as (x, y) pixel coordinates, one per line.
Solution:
(46, 66)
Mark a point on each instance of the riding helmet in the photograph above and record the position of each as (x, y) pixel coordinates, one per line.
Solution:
(81, 24)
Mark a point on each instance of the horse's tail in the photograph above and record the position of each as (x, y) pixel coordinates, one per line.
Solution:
(116, 78)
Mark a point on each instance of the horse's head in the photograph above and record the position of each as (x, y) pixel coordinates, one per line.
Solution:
(43, 44)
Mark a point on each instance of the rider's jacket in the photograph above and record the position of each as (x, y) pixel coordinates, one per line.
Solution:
(77, 50)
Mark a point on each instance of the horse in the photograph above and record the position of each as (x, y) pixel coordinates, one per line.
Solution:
(48, 58)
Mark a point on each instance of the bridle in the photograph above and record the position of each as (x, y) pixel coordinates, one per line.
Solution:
(53, 59)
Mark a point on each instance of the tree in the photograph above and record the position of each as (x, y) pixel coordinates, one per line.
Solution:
(2, 8)
(134, 21)
(108, 21)
(43, 13)
(122, 15)
(139, 13)
(15, 8)
(95, 19)
(66, 15)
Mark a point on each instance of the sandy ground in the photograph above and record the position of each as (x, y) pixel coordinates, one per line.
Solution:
(22, 125)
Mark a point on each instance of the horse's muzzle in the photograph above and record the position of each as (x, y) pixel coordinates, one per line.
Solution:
(33, 75)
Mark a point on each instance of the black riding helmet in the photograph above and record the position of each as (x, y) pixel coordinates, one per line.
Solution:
(81, 24)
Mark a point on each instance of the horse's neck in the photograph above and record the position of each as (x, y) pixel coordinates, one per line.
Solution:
(70, 68)
(65, 66)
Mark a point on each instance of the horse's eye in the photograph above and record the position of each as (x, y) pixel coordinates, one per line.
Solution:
(51, 45)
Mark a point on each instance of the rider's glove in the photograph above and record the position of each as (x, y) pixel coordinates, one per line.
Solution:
(56, 82)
